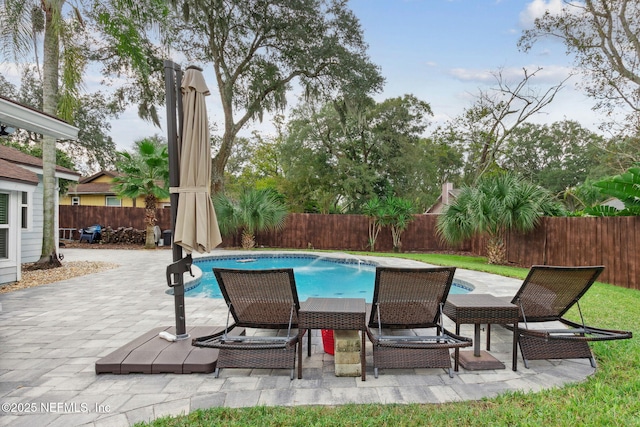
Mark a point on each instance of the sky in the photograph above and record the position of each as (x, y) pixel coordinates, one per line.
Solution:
(442, 51)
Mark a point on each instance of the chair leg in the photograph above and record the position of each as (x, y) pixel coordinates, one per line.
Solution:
(593, 362)
(375, 372)
(292, 374)
(216, 373)
(450, 372)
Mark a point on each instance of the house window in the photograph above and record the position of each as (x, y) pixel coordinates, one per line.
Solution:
(113, 201)
(24, 210)
(4, 225)
(75, 201)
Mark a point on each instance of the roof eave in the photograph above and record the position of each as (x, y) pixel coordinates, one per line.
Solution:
(20, 116)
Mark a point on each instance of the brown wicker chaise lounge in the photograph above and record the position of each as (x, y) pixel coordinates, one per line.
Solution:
(261, 299)
(546, 295)
(406, 299)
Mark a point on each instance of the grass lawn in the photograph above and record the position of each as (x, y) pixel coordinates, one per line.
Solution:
(609, 398)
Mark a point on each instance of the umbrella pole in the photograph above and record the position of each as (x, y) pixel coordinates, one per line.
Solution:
(173, 80)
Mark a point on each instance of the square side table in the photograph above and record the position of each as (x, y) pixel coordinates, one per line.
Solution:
(331, 313)
(477, 309)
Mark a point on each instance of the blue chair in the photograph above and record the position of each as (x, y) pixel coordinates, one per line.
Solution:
(91, 234)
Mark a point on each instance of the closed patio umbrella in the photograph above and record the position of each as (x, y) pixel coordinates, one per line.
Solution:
(196, 227)
(193, 219)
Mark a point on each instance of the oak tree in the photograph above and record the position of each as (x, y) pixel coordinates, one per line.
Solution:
(262, 49)
(602, 36)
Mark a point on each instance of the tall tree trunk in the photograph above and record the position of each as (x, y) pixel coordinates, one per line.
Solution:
(51, 59)
(219, 162)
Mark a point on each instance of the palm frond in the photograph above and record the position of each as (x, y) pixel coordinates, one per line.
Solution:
(16, 29)
(602, 210)
(625, 187)
(496, 204)
(254, 211)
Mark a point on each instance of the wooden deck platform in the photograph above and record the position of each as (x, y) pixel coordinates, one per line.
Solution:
(150, 354)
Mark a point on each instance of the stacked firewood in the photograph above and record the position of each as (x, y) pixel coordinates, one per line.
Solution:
(127, 235)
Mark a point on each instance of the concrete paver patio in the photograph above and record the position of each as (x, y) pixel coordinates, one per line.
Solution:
(52, 335)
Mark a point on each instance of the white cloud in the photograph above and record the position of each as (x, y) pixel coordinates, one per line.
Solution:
(128, 128)
(537, 8)
(441, 118)
(13, 72)
(10, 71)
(468, 74)
(550, 74)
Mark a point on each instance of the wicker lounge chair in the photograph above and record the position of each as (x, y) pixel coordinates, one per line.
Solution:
(261, 299)
(405, 299)
(545, 296)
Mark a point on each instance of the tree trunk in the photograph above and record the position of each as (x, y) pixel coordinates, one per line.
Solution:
(231, 128)
(50, 64)
(248, 240)
(150, 220)
(496, 250)
(374, 229)
(219, 162)
(395, 237)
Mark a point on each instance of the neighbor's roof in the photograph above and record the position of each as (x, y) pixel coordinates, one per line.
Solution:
(110, 174)
(91, 188)
(437, 206)
(87, 186)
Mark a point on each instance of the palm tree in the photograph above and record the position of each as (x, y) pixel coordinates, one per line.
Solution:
(397, 214)
(51, 28)
(497, 204)
(373, 209)
(20, 24)
(145, 174)
(581, 198)
(254, 211)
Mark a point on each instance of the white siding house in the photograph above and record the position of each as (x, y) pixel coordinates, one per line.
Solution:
(15, 182)
(21, 205)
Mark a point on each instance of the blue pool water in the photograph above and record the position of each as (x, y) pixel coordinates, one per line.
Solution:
(315, 276)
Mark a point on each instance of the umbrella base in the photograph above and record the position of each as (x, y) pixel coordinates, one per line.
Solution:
(150, 354)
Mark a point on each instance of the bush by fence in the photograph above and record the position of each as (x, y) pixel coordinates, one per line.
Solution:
(610, 241)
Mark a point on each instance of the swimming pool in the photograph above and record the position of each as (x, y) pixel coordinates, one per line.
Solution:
(316, 276)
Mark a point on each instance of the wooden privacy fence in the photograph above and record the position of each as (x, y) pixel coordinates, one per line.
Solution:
(610, 241)
(613, 242)
(107, 216)
(350, 232)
